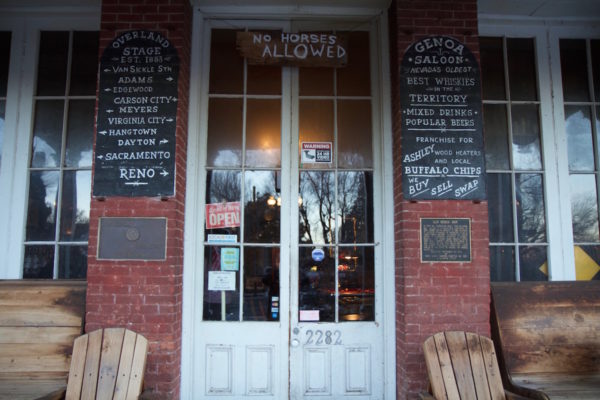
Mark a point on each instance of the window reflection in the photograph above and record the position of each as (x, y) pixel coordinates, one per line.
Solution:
(75, 211)
(356, 274)
(223, 186)
(578, 126)
(38, 262)
(533, 261)
(584, 208)
(531, 217)
(317, 208)
(526, 137)
(41, 210)
(219, 305)
(355, 207)
(262, 207)
(316, 282)
(47, 134)
(261, 284)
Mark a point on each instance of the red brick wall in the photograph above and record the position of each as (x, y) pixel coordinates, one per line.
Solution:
(431, 297)
(146, 296)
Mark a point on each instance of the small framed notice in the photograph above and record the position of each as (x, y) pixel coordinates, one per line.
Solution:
(445, 240)
(221, 280)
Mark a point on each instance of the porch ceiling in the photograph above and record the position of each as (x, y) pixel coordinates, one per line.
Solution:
(532, 8)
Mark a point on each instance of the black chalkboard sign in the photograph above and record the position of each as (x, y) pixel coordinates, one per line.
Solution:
(442, 129)
(137, 116)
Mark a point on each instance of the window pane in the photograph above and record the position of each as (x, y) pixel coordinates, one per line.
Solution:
(492, 68)
(224, 187)
(579, 138)
(500, 208)
(261, 284)
(263, 133)
(52, 64)
(356, 275)
(587, 263)
(584, 208)
(219, 305)
(5, 38)
(355, 208)
(355, 79)
(225, 132)
(264, 79)
(526, 137)
(80, 133)
(75, 210)
(316, 282)
(531, 218)
(521, 69)
(317, 208)
(41, 210)
(72, 262)
(226, 65)
(38, 262)
(533, 262)
(573, 63)
(84, 66)
(316, 123)
(316, 81)
(262, 207)
(496, 136)
(47, 133)
(354, 134)
(595, 46)
(502, 264)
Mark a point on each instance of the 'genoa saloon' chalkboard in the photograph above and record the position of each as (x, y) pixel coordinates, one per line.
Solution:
(442, 133)
(137, 110)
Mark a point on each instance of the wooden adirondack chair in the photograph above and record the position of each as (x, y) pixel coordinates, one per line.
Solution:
(463, 365)
(106, 364)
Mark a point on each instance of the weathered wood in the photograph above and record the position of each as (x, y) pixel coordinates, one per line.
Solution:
(39, 320)
(462, 366)
(548, 337)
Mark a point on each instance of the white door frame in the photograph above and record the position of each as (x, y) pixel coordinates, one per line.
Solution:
(195, 180)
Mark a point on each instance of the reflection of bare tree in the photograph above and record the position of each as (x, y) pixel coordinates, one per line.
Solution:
(585, 219)
(318, 213)
(223, 186)
(530, 208)
(318, 195)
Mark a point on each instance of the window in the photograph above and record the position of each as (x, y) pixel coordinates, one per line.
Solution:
(514, 162)
(580, 67)
(60, 161)
(4, 61)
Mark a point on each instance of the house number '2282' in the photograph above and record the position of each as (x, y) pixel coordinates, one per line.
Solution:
(323, 338)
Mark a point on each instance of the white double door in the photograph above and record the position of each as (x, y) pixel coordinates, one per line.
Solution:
(323, 333)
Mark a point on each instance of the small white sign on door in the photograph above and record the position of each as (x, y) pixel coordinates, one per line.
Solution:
(221, 280)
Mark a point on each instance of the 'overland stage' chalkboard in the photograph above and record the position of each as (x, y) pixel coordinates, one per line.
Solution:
(137, 110)
(442, 134)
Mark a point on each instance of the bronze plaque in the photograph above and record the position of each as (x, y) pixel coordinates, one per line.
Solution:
(132, 239)
(445, 240)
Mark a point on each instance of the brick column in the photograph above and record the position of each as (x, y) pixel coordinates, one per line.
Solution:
(432, 297)
(146, 296)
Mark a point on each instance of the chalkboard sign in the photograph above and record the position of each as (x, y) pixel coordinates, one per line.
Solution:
(442, 129)
(445, 240)
(137, 115)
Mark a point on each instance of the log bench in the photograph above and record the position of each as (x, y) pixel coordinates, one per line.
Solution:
(39, 321)
(547, 338)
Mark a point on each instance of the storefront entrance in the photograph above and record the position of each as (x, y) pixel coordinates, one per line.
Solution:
(289, 279)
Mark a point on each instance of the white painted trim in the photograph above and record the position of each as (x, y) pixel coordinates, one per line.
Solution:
(384, 99)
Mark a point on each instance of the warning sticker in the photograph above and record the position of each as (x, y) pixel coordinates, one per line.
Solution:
(316, 152)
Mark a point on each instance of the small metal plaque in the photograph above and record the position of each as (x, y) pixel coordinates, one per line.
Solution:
(132, 239)
(445, 240)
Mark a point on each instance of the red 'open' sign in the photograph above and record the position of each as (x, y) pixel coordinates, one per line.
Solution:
(223, 215)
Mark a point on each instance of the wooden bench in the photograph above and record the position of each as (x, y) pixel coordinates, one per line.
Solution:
(39, 321)
(548, 338)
